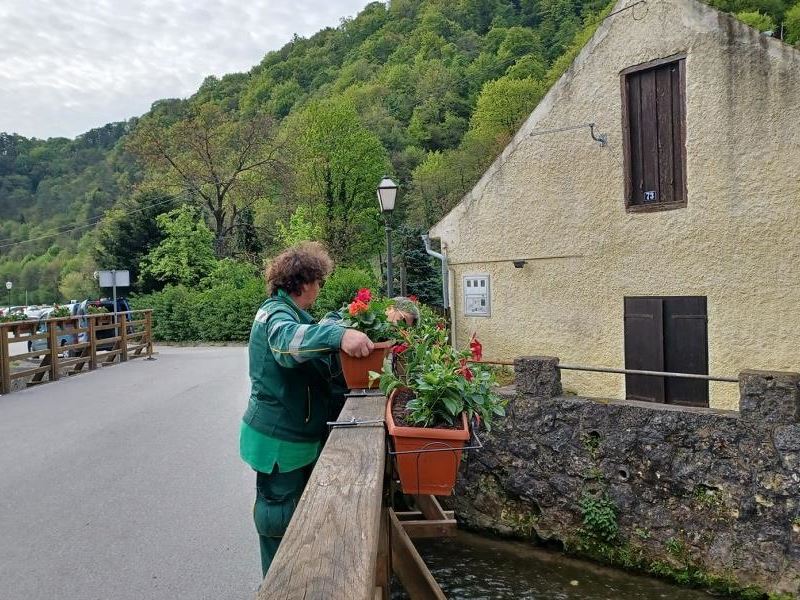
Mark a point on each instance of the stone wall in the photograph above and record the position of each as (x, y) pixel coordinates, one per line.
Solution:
(702, 495)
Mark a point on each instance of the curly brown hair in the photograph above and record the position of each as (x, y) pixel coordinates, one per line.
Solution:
(305, 263)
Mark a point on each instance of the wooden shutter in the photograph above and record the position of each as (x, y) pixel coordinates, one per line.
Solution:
(686, 349)
(644, 348)
(653, 123)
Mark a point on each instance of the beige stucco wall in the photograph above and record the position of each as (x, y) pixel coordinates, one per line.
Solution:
(737, 242)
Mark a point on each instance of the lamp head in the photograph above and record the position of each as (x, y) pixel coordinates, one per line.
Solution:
(387, 193)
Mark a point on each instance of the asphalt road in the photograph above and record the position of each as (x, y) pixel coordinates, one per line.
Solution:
(125, 483)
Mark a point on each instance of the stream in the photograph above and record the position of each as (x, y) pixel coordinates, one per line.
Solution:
(473, 567)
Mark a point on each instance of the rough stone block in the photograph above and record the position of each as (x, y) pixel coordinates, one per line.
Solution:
(538, 376)
(771, 397)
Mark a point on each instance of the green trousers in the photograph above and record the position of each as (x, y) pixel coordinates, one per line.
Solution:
(277, 495)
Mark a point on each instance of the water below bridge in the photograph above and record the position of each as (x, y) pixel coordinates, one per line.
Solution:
(472, 567)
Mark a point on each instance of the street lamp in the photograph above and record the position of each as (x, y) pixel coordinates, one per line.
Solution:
(9, 285)
(387, 193)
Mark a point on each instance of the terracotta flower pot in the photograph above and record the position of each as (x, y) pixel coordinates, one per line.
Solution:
(356, 370)
(426, 472)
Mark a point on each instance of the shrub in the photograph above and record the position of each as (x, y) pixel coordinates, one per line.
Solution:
(340, 288)
(756, 20)
(792, 22)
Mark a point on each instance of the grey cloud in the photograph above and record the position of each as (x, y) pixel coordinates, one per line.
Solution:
(66, 67)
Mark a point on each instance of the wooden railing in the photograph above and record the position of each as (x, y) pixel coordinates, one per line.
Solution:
(345, 540)
(68, 345)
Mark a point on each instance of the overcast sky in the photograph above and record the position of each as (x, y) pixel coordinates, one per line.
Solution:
(67, 66)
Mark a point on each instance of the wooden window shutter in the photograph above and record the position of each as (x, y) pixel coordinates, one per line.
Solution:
(654, 133)
(686, 349)
(644, 348)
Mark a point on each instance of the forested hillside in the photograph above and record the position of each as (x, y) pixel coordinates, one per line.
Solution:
(427, 91)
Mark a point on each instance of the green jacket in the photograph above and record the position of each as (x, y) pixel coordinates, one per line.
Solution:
(292, 364)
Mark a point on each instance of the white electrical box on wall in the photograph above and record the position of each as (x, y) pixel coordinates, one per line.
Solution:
(476, 296)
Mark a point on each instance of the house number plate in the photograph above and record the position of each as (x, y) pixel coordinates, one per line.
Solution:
(649, 196)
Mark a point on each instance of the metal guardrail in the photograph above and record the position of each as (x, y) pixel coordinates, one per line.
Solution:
(651, 373)
(130, 337)
(510, 363)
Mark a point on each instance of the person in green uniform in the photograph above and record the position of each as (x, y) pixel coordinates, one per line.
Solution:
(293, 361)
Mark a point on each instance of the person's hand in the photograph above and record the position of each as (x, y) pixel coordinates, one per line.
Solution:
(356, 343)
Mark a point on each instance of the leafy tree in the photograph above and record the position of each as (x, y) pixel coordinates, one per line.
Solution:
(222, 163)
(130, 230)
(78, 286)
(504, 104)
(301, 228)
(186, 253)
(339, 164)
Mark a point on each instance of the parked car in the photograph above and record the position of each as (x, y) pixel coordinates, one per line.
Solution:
(83, 309)
(65, 336)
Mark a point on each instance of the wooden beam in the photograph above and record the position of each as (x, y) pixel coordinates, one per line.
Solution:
(409, 567)
(330, 550)
(415, 515)
(430, 507)
(430, 529)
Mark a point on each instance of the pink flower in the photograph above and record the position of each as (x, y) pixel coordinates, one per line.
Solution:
(363, 295)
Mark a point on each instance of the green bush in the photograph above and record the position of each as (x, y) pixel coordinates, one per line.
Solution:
(792, 22)
(756, 20)
(340, 287)
(222, 311)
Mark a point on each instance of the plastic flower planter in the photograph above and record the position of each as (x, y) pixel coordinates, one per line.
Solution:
(422, 471)
(356, 370)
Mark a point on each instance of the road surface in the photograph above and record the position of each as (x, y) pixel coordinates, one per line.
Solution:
(125, 483)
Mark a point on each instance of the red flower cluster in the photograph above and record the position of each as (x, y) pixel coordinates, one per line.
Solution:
(439, 326)
(400, 348)
(363, 295)
(413, 298)
(476, 348)
(464, 370)
(357, 307)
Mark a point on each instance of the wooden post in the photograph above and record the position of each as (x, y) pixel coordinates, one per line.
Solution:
(52, 341)
(148, 327)
(5, 362)
(122, 324)
(92, 343)
(383, 566)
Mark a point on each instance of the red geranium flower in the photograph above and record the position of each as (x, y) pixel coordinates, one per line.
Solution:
(364, 295)
(464, 370)
(400, 348)
(476, 348)
(357, 307)
(413, 298)
(440, 326)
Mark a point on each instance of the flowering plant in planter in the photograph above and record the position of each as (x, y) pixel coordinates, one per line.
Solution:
(368, 315)
(434, 392)
(59, 312)
(96, 310)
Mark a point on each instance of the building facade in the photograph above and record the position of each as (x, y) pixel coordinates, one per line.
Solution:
(667, 236)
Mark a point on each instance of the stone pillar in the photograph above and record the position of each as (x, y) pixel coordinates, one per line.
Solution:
(538, 376)
(769, 397)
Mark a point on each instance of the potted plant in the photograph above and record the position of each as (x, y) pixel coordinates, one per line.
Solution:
(434, 394)
(368, 315)
(99, 310)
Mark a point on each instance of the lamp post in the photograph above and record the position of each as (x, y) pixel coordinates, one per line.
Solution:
(387, 193)
(9, 285)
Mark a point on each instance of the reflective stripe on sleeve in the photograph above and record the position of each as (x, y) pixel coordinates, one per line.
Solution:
(297, 341)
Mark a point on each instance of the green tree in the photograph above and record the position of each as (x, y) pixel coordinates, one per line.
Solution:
(78, 286)
(301, 228)
(185, 255)
(339, 163)
(504, 104)
(221, 161)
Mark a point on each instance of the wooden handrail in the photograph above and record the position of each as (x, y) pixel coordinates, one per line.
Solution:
(68, 329)
(330, 549)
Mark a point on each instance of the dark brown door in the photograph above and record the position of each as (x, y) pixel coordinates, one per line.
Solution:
(666, 334)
